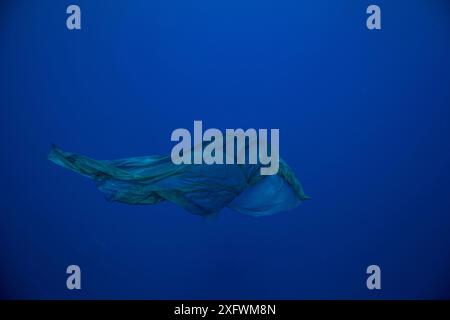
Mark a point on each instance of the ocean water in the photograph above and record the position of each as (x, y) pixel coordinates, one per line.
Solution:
(363, 118)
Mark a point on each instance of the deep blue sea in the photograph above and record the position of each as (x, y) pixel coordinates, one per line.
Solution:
(364, 119)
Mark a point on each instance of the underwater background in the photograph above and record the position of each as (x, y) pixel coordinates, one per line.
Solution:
(363, 118)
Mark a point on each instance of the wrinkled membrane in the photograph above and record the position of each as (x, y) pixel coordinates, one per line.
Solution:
(201, 189)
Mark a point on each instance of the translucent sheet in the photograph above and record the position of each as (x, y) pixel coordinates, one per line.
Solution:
(200, 189)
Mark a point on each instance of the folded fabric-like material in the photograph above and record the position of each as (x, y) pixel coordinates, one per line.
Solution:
(201, 189)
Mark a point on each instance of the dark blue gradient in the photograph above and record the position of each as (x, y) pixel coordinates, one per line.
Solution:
(364, 124)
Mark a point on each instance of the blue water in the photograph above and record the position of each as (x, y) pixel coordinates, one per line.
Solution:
(363, 118)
